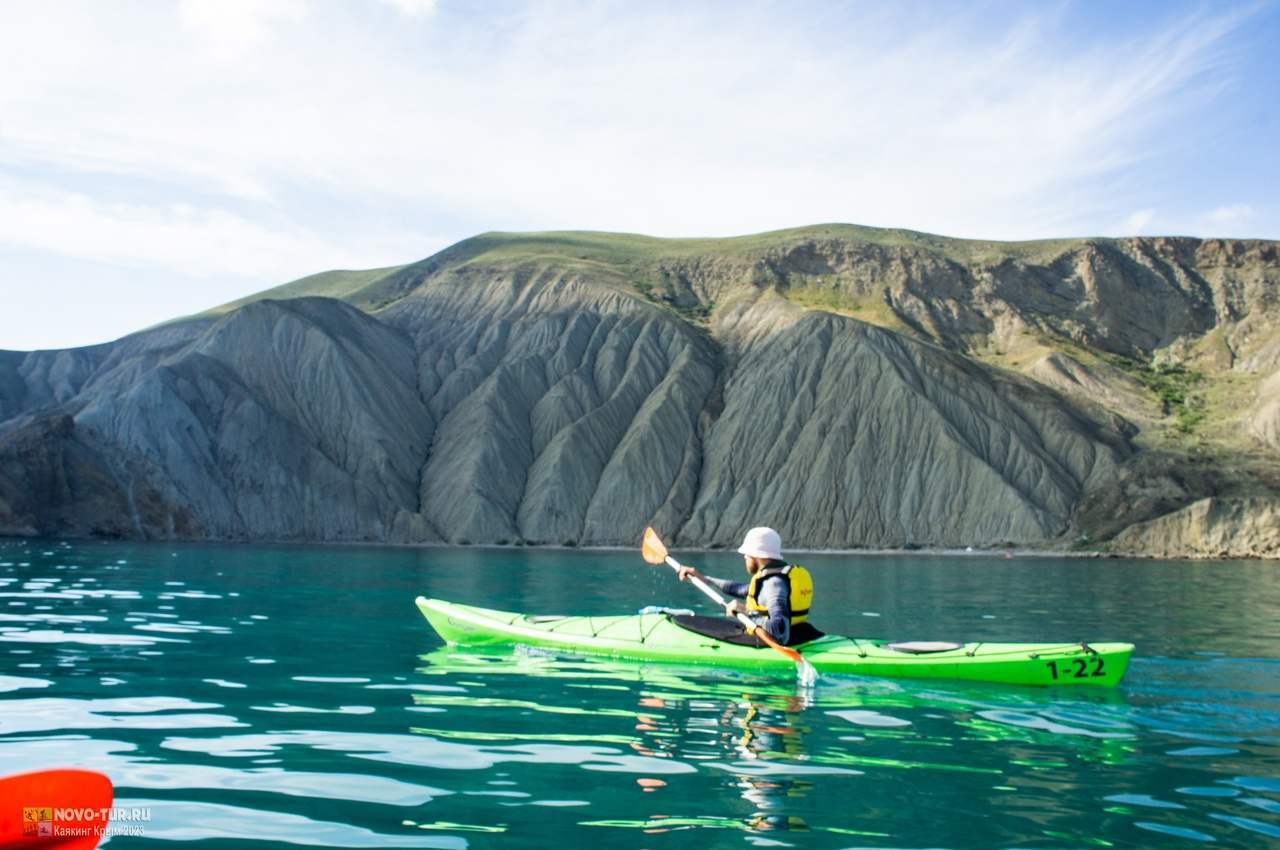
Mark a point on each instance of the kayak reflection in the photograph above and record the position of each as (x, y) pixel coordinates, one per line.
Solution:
(772, 746)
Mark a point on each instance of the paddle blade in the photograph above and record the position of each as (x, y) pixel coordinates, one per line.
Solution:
(48, 807)
(806, 672)
(651, 547)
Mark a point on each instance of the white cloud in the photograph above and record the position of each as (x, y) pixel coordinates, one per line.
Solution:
(1135, 224)
(195, 241)
(1230, 215)
(413, 8)
(303, 136)
(235, 26)
(667, 120)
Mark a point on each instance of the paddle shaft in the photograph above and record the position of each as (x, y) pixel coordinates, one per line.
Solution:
(700, 584)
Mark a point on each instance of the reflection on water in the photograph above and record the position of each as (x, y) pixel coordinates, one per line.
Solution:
(283, 696)
(782, 751)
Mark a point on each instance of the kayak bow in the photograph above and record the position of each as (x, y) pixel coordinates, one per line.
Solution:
(659, 637)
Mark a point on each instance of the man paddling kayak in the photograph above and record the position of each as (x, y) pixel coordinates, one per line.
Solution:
(778, 594)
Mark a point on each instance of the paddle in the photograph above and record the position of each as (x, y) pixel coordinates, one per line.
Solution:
(654, 552)
(30, 805)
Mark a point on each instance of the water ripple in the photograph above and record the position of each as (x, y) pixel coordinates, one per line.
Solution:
(1045, 724)
(58, 715)
(422, 751)
(88, 638)
(861, 717)
(1176, 831)
(1250, 824)
(15, 683)
(180, 820)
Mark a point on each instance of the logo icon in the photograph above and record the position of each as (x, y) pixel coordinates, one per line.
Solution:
(37, 821)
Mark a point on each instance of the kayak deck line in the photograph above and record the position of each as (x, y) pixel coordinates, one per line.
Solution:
(657, 637)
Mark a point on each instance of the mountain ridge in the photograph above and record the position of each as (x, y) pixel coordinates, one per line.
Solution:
(572, 386)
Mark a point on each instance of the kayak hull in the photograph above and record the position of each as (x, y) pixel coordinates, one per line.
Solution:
(655, 637)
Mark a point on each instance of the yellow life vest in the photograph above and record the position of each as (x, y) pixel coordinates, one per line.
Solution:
(798, 580)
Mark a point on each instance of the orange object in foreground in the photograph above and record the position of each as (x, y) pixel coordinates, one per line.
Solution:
(63, 809)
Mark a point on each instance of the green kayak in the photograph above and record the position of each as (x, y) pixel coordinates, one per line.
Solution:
(662, 637)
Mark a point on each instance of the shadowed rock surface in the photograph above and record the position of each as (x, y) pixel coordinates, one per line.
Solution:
(57, 480)
(850, 386)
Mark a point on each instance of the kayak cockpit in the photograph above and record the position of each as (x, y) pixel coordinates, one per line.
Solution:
(731, 631)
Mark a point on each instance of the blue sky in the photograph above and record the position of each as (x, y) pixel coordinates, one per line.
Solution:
(158, 158)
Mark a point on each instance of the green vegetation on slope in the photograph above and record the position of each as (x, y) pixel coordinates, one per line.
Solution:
(627, 249)
(823, 295)
(630, 259)
(342, 284)
(1173, 385)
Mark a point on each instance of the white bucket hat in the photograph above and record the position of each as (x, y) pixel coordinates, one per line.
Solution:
(762, 543)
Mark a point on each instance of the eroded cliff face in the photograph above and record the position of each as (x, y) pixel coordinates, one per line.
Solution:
(283, 420)
(1209, 528)
(558, 411)
(1127, 296)
(849, 387)
(536, 410)
(847, 434)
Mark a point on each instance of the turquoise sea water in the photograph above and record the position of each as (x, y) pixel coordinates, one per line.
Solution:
(285, 696)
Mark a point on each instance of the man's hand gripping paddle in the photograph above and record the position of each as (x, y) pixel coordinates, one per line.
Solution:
(654, 552)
